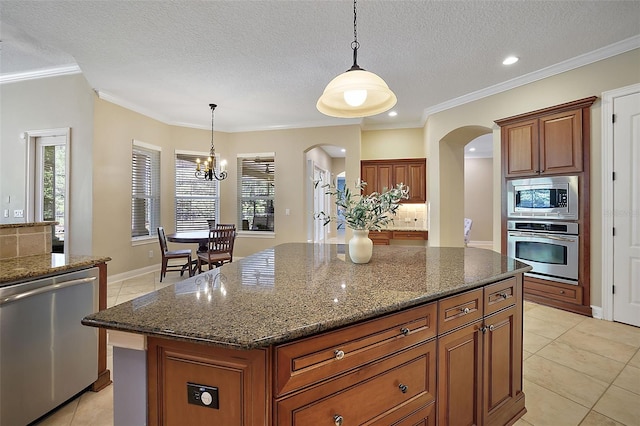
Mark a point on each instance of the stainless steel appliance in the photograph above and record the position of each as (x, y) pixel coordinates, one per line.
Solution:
(543, 198)
(46, 355)
(550, 247)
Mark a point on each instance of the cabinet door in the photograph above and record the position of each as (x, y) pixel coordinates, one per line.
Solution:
(502, 365)
(459, 376)
(414, 176)
(385, 177)
(520, 148)
(369, 174)
(561, 143)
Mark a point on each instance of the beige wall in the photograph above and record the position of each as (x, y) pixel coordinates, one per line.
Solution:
(478, 197)
(446, 215)
(396, 143)
(44, 104)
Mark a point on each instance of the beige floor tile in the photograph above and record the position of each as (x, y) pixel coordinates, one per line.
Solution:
(547, 408)
(62, 416)
(564, 381)
(635, 360)
(533, 342)
(542, 327)
(621, 405)
(529, 305)
(596, 419)
(597, 366)
(556, 316)
(111, 301)
(611, 330)
(137, 288)
(126, 297)
(526, 355)
(620, 352)
(95, 408)
(522, 422)
(629, 379)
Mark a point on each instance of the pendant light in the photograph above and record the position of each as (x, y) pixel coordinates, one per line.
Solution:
(209, 172)
(356, 92)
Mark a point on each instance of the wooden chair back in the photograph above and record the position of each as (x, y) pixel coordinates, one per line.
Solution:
(163, 240)
(221, 240)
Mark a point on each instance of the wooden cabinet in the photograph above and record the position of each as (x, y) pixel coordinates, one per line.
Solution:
(410, 235)
(480, 356)
(544, 142)
(385, 174)
(380, 237)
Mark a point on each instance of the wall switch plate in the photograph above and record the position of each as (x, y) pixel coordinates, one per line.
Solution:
(202, 395)
(18, 213)
(6, 212)
(150, 254)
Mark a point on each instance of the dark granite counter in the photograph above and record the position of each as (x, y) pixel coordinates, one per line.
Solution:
(297, 289)
(29, 267)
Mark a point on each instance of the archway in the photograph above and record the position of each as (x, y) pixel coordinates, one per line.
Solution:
(451, 176)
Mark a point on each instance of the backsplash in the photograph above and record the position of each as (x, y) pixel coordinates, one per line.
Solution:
(410, 216)
(25, 239)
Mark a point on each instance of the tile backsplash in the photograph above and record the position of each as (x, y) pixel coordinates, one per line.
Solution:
(410, 216)
(24, 240)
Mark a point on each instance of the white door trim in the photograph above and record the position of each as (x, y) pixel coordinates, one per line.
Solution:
(607, 196)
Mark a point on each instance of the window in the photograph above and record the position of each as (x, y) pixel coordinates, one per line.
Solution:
(145, 190)
(256, 189)
(196, 199)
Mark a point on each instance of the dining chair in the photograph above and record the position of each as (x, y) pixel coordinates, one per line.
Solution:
(226, 226)
(168, 255)
(211, 223)
(219, 248)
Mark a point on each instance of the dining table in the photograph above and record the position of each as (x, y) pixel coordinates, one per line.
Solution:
(191, 237)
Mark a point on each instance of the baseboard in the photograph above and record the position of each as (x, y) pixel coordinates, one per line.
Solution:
(481, 244)
(596, 312)
(132, 274)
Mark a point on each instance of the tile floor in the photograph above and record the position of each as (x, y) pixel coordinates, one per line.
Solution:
(577, 370)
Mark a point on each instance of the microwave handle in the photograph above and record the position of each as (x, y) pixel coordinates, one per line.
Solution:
(533, 234)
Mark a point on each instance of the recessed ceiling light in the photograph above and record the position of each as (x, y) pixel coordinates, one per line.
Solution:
(510, 60)
(471, 149)
(343, 150)
(393, 114)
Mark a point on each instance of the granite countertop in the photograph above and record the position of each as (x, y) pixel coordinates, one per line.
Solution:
(41, 265)
(26, 224)
(299, 289)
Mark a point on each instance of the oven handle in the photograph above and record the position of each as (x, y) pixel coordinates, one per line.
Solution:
(538, 235)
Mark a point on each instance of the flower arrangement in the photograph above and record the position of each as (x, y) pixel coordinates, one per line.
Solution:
(364, 212)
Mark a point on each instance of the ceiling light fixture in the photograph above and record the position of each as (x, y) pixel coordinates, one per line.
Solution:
(393, 113)
(356, 92)
(209, 172)
(510, 60)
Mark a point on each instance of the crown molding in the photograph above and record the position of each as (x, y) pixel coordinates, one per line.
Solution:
(106, 96)
(618, 48)
(42, 73)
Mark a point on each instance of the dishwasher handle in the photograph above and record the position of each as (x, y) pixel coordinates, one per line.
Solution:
(45, 289)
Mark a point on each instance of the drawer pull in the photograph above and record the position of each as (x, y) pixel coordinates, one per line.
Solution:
(338, 420)
(561, 291)
(403, 388)
(339, 355)
(503, 295)
(405, 331)
(465, 310)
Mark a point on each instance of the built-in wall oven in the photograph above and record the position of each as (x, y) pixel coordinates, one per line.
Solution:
(550, 247)
(554, 198)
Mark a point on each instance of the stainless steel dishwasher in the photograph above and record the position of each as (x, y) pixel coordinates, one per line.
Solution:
(46, 355)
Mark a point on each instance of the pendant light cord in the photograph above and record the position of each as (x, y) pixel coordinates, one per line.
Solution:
(213, 151)
(354, 44)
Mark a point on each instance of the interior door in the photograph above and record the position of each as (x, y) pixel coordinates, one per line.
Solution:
(626, 195)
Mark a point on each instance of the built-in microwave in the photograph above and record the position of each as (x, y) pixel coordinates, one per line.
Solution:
(543, 198)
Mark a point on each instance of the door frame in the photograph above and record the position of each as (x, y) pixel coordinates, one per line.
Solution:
(607, 198)
(31, 191)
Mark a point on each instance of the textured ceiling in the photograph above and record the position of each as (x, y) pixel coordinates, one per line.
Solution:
(265, 63)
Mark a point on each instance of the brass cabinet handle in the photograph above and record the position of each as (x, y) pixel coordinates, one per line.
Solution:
(403, 388)
(338, 420)
(465, 310)
(339, 354)
(405, 331)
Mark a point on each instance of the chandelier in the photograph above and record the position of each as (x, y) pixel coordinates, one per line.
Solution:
(209, 172)
(356, 92)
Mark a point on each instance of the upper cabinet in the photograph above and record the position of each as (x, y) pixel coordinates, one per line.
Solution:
(545, 142)
(385, 174)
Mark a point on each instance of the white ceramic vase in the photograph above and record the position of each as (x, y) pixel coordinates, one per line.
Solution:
(360, 246)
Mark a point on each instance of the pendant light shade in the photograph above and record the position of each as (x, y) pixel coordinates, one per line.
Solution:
(356, 92)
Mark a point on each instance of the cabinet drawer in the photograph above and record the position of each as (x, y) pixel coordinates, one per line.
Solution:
(380, 237)
(458, 310)
(409, 235)
(564, 292)
(499, 295)
(320, 357)
(392, 388)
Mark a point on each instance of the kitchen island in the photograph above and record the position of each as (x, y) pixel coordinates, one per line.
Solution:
(298, 334)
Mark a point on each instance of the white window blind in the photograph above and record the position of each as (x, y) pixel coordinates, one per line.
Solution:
(256, 190)
(145, 190)
(196, 199)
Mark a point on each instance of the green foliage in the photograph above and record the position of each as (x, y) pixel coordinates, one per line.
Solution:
(364, 212)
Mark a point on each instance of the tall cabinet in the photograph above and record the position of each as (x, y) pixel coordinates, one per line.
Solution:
(553, 141)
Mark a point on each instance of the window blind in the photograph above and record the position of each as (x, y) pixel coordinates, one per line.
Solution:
(197, 200)
(256, 190)
(145, 190)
